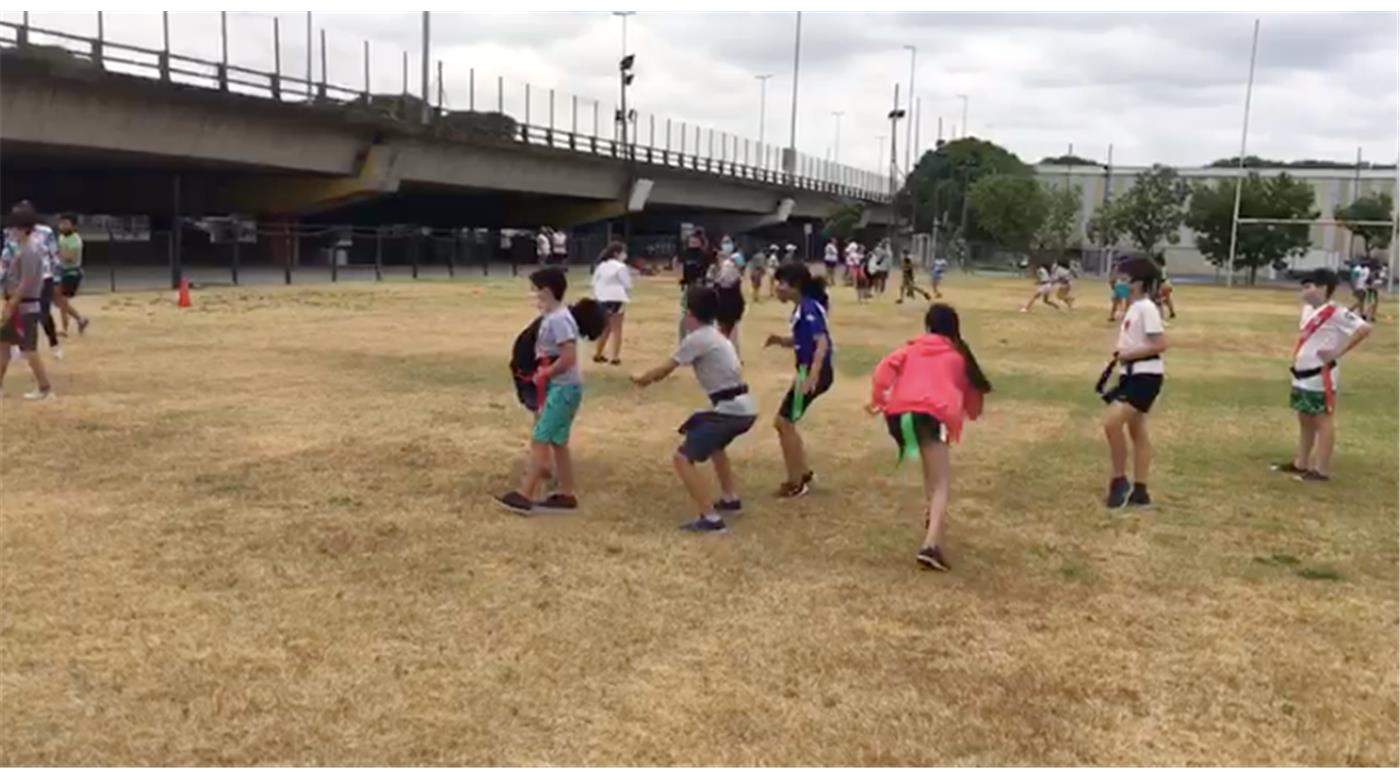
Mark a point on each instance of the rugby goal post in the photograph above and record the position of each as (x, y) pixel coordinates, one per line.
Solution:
(1394, 224)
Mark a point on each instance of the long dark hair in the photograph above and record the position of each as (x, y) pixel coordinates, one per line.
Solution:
(942, 319)
(612, 250)
(796, 274)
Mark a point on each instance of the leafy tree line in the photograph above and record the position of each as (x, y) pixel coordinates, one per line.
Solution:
(978, 192)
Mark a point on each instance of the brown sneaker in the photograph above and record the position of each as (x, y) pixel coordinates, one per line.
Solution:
(516, 502)
(557, 503)
(932, 558)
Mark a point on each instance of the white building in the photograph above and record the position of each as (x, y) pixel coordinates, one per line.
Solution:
(1332, 187)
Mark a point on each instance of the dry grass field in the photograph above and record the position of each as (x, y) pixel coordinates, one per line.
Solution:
(257, 532)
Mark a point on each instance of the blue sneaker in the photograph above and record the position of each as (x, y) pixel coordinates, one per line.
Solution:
(704, 525)
(729, 507)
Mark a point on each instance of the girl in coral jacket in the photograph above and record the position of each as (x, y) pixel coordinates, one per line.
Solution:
(925, 389)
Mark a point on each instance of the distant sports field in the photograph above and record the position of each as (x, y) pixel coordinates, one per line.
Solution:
(257, 531)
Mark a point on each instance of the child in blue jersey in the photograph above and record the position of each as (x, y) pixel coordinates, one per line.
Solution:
(811, 345)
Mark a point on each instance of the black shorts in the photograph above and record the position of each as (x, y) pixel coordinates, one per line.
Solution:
(927, 428)
(613, 307)
(709, 432)
(824, 380)
(69, 284)
(1136, 390)
(22, 330)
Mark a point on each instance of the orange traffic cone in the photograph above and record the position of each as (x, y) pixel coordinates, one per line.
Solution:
(184, 293)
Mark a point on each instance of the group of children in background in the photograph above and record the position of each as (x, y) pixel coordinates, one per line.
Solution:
(925, 390)
(1367, 278)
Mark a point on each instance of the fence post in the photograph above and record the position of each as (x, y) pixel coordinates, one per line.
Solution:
(237, 247)
(500, 94)
(549, 136)
(276, 59)
(177, 269)
(335, 267)
(295, 255)
(165, 47)
(367, 90)
(414, 249)
(223, 51)
(452, 254)
(23, 36)
(471, 89)
(321, 91)
(97, 45)
(378, 253)
(442, 90)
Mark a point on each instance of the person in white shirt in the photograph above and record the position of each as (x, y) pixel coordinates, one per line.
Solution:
(612, 287)
(1141, 342)
(853, 260)
(1360, 275)
(1326, 331)
(542, 245)
(831, 257)
(1044, 285)
(1063, 278)
(1375, 283)
(559, 247)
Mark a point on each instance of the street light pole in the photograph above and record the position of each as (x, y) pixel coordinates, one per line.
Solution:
(762, 103)
(426, 108)
(963, 98)
(895, 115)
(796, 65)
(836, 155)
(1239, 170)
(909, 126)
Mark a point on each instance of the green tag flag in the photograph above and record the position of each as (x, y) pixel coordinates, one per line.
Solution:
(797, 401)
(909, 441)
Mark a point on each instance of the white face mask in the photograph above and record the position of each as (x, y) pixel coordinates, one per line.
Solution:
(727, 246)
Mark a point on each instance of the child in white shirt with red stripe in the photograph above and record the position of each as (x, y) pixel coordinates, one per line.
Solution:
(1326, 332)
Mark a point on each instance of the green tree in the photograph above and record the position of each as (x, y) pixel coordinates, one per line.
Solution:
(1281, 197)
(1378, 207)
(1105, 227)
(1071, 159)
(942, 178)
(1011, 208)
(1057, 232)
(844, 220)
(1150, 212)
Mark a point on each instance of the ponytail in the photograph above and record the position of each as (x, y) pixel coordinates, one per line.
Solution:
(942, 319)
(796, 274)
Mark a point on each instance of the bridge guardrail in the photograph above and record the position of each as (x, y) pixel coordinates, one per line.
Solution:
(164, 65)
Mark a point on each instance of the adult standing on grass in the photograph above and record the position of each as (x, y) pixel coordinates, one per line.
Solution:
(542, 245)
(1326, 332)
(26, 251)
(70, 260)
(1141, 342)
(559, 248)
(50, 268)
(612, 285)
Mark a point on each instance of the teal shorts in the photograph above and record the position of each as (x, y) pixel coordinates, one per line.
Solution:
(561, 403)
(1120, 291)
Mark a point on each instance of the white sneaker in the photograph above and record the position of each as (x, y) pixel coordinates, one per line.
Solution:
(39, 395)
(57, 353)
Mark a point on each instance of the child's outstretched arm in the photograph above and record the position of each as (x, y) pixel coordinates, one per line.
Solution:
(656, 374)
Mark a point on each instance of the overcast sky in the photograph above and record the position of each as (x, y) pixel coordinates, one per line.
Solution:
(1160, 88)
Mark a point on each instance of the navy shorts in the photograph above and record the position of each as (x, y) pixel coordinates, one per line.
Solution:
(1136, 390)
(709, 432)
(927, 428)
(824, 380)
(613, 307)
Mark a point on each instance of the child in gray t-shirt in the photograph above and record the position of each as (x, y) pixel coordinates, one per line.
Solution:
(708, 433)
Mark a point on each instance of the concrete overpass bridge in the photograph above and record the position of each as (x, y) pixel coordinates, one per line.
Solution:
(189, 137)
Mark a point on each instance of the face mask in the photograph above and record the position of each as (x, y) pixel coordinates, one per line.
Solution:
(727, 246)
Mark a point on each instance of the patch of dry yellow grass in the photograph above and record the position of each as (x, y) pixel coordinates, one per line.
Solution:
(256, 532)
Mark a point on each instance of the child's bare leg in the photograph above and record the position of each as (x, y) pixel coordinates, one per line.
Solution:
(695, 484)
(36, 364)
(1307, 434)
(794, 457)
(1117, 443)
(937, 479)
(1030, 303)
(1142, 446)
(539, 465)
(563, 468)
(1326, 441)
(1048, 302)
(603, 339)
(615, 333)
(724, 471)
(4, 361)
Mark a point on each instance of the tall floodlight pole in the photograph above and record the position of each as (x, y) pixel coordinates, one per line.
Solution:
(623, 15)
(909, 126)
(796, 65)
(895, 115)
(963, 98)
(424, 94)
(762, 103)
(1239, 169)
(308, 56)
(836, 148)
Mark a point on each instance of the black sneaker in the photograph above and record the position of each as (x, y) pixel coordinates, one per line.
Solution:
(704, 525)
(1139, 496)
(729, 507)
(932, 558)
(1118, 491)
(514, 501)
(809, 477)
(557, 503)
(599, 359)
(1287, 468)
(1312, 476)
